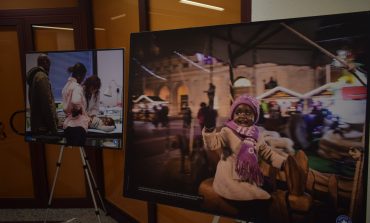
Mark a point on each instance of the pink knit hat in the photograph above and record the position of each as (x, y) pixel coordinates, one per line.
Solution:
(248, 100)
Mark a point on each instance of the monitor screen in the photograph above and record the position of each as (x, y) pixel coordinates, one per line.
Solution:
(261, 121)
(75, 97)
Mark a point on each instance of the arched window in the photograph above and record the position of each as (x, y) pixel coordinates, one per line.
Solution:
(164, 93)
(242, 82)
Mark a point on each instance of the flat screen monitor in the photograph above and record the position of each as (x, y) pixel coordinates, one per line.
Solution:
(75, 97)
(262, 121)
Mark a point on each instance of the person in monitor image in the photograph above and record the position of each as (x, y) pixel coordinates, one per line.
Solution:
(74, 106)
(42, 104)
(91, 87)
(201, 114)
(211, 94)
(186, 117)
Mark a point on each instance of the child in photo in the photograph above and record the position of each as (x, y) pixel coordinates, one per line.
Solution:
(105, 124)
(238, 175)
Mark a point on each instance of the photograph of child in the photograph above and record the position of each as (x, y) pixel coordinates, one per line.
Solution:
(252, 131)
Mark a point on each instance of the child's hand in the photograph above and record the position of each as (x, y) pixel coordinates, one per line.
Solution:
(209, 124)
(209, 129)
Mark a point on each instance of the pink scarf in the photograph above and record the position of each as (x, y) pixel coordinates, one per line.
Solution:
(247, 161)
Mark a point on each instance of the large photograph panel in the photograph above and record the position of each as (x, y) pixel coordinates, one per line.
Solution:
(261, 121)
(75, 97)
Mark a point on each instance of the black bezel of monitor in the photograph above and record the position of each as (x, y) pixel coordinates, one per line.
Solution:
(154, 162)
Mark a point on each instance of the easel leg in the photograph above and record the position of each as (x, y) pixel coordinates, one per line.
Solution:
(89, 182)
(59, 163)
(93, 180)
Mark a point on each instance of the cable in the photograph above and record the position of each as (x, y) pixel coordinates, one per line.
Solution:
(11, 122)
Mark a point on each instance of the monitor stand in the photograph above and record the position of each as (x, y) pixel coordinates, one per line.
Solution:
(216, 219)
(89, 176)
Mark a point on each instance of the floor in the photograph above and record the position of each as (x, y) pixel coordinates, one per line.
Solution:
(72, 215)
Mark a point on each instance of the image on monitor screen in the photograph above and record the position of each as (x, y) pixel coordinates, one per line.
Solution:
(75, 98)
(262, 121)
